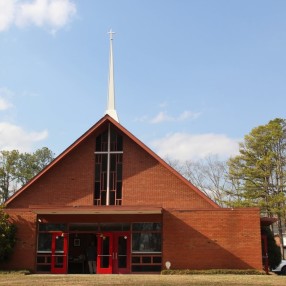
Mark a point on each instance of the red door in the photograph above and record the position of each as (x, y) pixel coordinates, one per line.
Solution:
(104, 253)
(113, 253)
(59, 253)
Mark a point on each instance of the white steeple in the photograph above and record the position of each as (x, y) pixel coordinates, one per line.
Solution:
(111, 97)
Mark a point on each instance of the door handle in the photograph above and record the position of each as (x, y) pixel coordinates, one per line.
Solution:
(114, 255)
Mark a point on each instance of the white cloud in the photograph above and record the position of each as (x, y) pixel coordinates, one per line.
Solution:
(162, 116)
(188, 115)
(184, 146)
(15, 137)
(7, 8)
(51, 13)
(4, 104)
(5, 95)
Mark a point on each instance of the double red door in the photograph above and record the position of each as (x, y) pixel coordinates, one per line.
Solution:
(113, 253)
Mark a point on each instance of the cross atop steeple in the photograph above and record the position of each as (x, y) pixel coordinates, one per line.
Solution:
(111, 97)
(110, 34)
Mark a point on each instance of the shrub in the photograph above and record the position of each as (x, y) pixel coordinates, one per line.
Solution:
(274, 252)
(7, 236)
(212, 272)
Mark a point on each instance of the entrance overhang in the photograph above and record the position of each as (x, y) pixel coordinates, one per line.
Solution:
(267, 221)
(93, 210)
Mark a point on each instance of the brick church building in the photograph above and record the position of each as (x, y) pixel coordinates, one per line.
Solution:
(110, 190)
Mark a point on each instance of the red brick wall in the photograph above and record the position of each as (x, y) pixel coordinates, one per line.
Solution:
(213, 239)
(146, 182)
(69, 182)
(23, 257)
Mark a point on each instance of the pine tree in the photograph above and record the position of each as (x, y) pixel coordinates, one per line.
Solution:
(259, 171)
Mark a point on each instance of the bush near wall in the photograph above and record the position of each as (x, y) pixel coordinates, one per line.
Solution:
(7, 236)
(213, 271)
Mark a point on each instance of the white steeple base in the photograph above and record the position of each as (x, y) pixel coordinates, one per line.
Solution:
(112, 113)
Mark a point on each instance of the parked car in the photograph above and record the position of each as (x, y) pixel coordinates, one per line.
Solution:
(281, 268)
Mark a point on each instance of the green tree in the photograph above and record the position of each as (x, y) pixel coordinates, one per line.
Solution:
(258, 172)
(7, 236)
(16, 169)
(8, 169)
(30, 164)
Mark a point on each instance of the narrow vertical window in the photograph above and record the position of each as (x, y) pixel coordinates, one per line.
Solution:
(108, 168)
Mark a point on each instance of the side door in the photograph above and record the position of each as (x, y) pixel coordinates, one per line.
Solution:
(59, 253)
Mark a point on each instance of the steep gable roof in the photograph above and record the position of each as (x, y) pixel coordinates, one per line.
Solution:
(97, 126)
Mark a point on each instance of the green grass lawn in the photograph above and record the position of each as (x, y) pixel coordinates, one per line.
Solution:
(158, 280)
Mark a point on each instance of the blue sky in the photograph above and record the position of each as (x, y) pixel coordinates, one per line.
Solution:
(191, 77)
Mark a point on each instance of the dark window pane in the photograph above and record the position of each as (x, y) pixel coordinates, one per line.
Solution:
(105, 246)
(155, 226)
(103, 198)
(43, 268)
(104, 181)
(125, 226)
(135, 259)
(157, 259)
(112, 198)
(112, 181)
(113, 162)
(119, 190)
(146, 259)
(45, 242)
(104, 162)
(97, 190)
(104, 140)
(112, 136)
(146, 242)
(122, 245)
(83, 227)
(114, 226)
(146, 268)
(97, 172)
(119, 143)
(52, 226)
(44, 259)
(119, 172)
(59, 244)
(98, 143)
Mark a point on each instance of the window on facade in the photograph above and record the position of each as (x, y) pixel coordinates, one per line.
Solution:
(146, 247)
(52, 227)
(146, 237)
(45, 242)
(108, 168)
